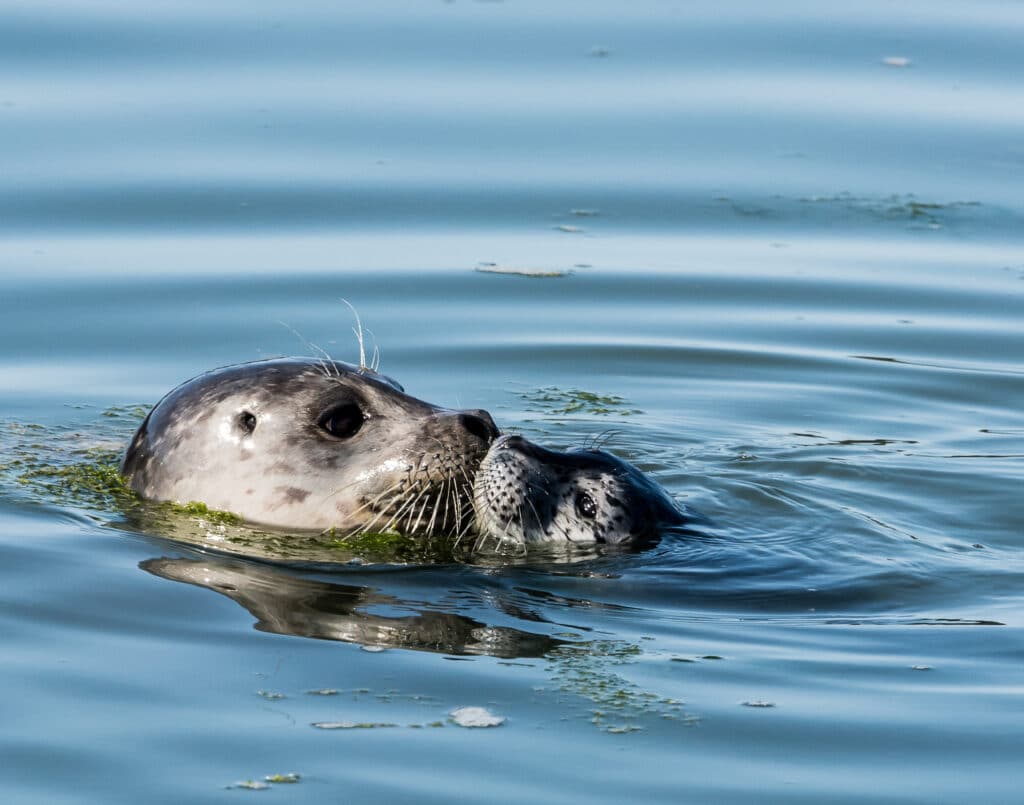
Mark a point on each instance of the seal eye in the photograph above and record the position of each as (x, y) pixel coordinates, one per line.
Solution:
(585, 506)
(247, 421)
(342, 421)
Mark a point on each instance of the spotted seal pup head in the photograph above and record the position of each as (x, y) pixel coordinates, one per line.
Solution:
(309, 444)
(526, 494)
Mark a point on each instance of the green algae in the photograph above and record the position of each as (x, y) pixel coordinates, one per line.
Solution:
(591, 670)
(97, 483)
(205, 512)
(394, 547)
(283, 779)
(135, 413)
(564, 402)
(374, 542)
(352, 725)
(529, 273)
(896, 207)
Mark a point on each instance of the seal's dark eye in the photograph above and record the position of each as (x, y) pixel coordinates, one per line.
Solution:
(342, 421)
(585, 506)
(247, 421)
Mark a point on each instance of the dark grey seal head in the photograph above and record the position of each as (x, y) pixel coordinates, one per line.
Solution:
(526, 494)
(302, 443)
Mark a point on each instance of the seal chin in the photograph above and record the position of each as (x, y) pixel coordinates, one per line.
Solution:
(526, 494)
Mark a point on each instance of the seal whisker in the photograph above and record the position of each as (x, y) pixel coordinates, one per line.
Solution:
(454, 504)
(369, 527)
(554, 520)
(433, 514)
(366, 527)
(602, 438)
(462, 525)
(423, 508)
(441, 504)
(465, 511)
(375, 357)
(408, 507)
(401, 501)
(469, 488)
(324, 360)
(463, 532)
(536, 514)
(358, 330)
(371, 503)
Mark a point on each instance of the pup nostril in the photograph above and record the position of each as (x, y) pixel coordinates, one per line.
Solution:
(480, 424)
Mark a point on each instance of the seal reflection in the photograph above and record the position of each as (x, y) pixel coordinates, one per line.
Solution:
(284, 603)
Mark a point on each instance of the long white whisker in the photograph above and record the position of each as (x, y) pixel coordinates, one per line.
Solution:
(408, 507)
(433, 514)
(324, 360)
(423, 508)
(375, 359)
(358, 330)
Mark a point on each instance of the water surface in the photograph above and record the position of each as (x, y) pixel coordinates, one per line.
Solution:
(798, 271)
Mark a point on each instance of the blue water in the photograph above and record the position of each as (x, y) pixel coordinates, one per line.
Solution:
(799, 267)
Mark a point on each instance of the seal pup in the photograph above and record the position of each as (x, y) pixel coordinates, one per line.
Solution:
(525, 494)
(311, 444)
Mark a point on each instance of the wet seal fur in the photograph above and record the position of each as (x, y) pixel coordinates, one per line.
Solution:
(525, 494)
(305, 443)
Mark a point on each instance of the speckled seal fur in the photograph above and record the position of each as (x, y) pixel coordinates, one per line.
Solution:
(302, 443)
(526, 494)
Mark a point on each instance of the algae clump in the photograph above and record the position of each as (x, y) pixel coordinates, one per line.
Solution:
(562, 402)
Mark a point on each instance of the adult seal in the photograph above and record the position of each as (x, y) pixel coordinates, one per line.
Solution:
(525, 494)
(302, 443)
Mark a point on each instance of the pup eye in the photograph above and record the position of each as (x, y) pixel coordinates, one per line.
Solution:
(247, 421)
(342, 421)
(585, 506)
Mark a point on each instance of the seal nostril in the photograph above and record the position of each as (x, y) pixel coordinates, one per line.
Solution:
(480, 424)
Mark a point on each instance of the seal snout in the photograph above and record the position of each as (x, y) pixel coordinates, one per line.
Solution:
(539, 456)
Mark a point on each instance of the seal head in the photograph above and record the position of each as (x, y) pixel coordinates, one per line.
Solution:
(526, 494)
(302, 443)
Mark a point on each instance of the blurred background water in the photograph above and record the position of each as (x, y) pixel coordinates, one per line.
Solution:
(785, 241)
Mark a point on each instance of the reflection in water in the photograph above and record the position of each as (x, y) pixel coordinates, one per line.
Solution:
(286, 604)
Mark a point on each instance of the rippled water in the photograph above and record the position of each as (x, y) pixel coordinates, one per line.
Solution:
(796, 270)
